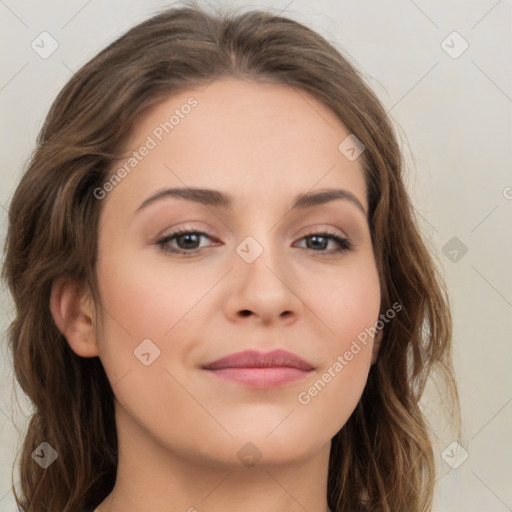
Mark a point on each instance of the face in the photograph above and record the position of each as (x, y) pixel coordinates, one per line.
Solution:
(254, 269)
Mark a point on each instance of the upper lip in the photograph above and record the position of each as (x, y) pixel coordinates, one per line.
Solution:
(254, 359)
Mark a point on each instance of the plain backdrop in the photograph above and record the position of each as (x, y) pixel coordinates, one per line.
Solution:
(450, 95)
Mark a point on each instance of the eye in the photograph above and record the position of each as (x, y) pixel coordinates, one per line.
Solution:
(186, 239)
(321, 240)
(188, 242)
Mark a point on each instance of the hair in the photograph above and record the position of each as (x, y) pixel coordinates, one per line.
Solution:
(382, 459)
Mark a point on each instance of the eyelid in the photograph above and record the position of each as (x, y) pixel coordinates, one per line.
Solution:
(315, 228)
(185, 230)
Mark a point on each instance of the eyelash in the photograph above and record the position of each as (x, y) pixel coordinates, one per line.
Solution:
(345, 245)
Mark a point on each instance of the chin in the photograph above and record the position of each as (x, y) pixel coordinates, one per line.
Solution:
(254, 445)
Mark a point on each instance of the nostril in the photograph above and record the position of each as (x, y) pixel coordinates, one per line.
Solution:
(245, 312)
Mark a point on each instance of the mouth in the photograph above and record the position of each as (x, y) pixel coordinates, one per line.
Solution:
(260, 370)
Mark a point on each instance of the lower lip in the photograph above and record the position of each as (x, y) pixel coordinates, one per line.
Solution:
(261, 377)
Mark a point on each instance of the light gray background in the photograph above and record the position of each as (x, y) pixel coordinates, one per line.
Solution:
(455, 117)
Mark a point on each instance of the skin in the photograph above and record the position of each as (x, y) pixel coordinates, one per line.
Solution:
(179, 427)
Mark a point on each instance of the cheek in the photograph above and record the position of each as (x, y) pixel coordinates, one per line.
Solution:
(139, 304)
(144, 299)
(328, 401)
(345, 301)
(348, 308)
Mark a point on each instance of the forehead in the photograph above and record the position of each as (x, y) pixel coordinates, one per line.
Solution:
(253, 140)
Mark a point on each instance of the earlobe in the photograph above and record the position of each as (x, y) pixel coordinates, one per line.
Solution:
(376, 346)
(72, 309)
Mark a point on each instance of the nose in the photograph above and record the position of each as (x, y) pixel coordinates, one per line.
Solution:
(262, 291)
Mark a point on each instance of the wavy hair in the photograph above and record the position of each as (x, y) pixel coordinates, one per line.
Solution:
(382, 460)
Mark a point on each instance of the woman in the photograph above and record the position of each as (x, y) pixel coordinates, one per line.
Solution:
(223, 300)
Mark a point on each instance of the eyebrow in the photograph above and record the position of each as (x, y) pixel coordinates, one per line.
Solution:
(218, 199)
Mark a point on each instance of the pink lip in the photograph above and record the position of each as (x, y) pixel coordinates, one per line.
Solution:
(260, 370)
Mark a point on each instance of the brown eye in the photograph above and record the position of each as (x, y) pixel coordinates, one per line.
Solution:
(187, 241)
(318, 242)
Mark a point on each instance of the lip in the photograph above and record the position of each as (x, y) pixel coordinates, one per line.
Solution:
(260, 370)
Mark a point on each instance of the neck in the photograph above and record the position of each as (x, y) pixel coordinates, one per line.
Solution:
(149, 477)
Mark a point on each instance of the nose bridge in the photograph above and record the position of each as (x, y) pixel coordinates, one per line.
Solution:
(258, 232)
(261, 244)
(262, 273)
(258, 252)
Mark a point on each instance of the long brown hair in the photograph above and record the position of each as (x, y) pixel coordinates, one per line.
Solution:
(382, 459)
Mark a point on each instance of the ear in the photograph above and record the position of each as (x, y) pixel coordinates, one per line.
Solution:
(376, 345)
(72, 309)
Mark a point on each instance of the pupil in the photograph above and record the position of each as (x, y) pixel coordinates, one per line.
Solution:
(315, 240)
(187, 237)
